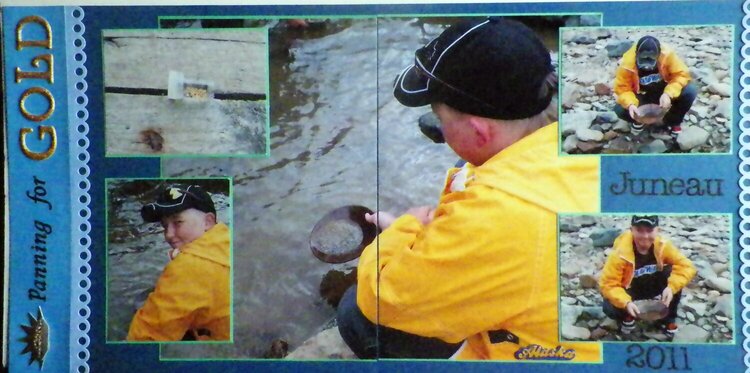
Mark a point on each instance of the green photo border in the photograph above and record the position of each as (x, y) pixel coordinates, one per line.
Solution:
(730, 253)
(266, 128)
(730, 68)
(107, 181)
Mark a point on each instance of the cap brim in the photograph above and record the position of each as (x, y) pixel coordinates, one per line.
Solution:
(411, 88)
(153, 213)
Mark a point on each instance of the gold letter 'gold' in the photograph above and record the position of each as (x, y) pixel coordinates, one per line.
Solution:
(44, 92)
(20, 43)
(49, 74)
(43, 130)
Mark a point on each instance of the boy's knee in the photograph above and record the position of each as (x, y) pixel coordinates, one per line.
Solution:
(689, 92)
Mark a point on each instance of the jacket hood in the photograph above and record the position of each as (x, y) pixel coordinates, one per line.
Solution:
(554, 183)
(212, 245)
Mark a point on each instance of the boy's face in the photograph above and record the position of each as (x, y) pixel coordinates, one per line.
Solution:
(186, 226)
(644, 236)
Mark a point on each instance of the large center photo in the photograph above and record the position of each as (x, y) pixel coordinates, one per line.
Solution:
(408, 204)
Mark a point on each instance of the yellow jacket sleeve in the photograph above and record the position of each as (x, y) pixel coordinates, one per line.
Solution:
(623, 87)
(464, 272)
(683, 269)
(677, 75)
(169, 310)
(610, 282)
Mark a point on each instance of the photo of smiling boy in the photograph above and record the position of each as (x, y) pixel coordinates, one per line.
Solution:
(191, 300)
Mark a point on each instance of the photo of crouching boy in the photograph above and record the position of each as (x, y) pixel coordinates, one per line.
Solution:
(646, 278)
(191, 298)
(644, 266)
(169, 262)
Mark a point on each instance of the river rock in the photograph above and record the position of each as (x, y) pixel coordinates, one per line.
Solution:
(583, 39)
(723, 306)
(607, 117)
(327, 344)
(691, 137)
(621, 126)
(698, 308)
(571, 95)
(616, 48)
(588, 281)
(568, 300)
(719, 267)
(721, 284)
(569, 314)
(602, 89)
(585, 221)
(585, 134)
(598, 333)
(572, 332)
(691, 333)
(610, 324)
(604, 237)
(609, 135)
(658, 336)
(590, 146)
(571, 122)
(570, 143)
(654, 147)
(721, 89)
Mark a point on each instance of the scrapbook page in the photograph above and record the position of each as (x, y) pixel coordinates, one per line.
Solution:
(377, 186)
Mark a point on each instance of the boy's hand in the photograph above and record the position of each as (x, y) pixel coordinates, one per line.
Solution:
(665, 101)
(425, 214)
(634, 112)
(381, 219)
(666, 296)
(632, 309)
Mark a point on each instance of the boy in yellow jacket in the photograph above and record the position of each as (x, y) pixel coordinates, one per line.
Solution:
(191, 298)
(644, 265)
(476, 276)
(652, 73)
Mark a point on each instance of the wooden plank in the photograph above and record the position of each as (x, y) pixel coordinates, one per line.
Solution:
(235, 60)
(154, 125)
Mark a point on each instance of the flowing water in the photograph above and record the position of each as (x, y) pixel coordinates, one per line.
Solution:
(337, 138)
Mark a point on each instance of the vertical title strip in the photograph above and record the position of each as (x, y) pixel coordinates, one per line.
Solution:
(39, 196)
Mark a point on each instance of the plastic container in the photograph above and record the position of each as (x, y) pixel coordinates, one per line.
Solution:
(180, 88)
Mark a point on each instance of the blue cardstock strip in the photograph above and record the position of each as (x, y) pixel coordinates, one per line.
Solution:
(39, 192)
(675, 184)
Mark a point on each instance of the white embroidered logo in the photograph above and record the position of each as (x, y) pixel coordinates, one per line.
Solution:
(175, 193)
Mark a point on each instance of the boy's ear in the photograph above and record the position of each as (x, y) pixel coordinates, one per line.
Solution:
(482, 131)
(210, 218)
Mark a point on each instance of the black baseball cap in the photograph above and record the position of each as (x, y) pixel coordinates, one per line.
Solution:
(647, 51)
(645, 220)
(176, 198)
(491, 67)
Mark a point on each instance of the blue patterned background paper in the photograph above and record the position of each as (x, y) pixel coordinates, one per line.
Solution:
(87, 248)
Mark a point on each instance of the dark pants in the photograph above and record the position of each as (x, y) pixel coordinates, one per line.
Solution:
(619, 313)
(370, 341)
(675, 114)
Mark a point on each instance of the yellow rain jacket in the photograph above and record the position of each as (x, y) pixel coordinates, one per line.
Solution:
(488, 259)
(670, 66)
(192, 294)
(618, 271)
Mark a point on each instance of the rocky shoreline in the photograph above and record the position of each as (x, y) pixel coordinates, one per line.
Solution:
(589, 60)
(706, 309)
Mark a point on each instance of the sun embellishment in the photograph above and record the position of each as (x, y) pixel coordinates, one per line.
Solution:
(37, 338)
